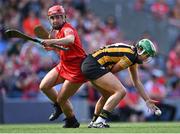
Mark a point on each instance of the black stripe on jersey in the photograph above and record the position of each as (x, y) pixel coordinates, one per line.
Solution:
(108, 63)
(131, 57)
(113, 54)
(117, 46)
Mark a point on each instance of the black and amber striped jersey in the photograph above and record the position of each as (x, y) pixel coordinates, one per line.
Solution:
(109, 55)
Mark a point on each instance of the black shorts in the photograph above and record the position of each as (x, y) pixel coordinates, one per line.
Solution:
(92, 69)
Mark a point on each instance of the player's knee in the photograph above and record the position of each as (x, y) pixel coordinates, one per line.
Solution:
(42, 87)
(121, 92)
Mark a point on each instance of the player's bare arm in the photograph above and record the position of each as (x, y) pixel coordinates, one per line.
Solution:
(62, 41)
(133, 71)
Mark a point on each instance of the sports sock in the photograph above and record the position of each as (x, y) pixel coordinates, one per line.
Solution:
(94, 118)
(59, 108)
(73, 119)
(104, 115)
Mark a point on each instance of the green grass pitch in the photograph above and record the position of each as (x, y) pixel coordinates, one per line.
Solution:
(155, 127)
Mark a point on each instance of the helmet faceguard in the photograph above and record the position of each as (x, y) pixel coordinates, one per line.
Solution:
(146, 49)
(56, 12)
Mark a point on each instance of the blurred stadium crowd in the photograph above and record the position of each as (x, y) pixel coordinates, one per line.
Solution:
(22, 64)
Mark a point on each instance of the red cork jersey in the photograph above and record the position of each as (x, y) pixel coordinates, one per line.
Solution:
(70, 63)
(75, 51)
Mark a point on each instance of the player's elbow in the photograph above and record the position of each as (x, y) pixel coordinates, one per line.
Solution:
(71, 39)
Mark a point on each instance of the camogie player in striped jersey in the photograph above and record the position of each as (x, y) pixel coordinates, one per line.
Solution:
(99, 68)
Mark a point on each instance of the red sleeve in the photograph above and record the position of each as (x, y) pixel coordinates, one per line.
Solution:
(68, 31)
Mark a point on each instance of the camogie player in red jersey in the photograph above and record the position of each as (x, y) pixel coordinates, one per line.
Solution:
(68, 71)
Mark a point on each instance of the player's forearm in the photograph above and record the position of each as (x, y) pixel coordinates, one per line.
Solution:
(62, 41)
(65, 41)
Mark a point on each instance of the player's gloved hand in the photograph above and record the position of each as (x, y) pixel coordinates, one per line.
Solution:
(151, 105)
